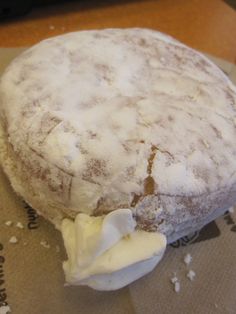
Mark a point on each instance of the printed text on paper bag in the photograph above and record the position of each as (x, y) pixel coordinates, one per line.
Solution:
(32, 216)
(3, 294)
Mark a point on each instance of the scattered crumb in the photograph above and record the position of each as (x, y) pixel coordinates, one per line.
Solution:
(163, 59)
(8, 223)
(13, 240)
(25, 243)
(51, 27)
(176, 283)
(5, 309)
(216, 305)
(191, 275)
(231, 210)
(19, 225)
(174, 279)
(57, 248)
(177, 286)
(45, 244)
(188, 259)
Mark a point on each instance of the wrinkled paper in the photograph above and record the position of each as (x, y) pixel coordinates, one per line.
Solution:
(32, 280)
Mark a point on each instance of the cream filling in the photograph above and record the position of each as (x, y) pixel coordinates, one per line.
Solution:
(107, 252)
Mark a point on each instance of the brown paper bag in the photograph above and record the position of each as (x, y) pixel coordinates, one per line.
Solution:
(32, 280)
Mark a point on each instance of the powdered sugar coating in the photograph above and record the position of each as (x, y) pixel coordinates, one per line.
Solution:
(107, 119)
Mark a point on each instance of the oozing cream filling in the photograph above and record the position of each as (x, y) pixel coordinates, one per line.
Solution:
(106, 252)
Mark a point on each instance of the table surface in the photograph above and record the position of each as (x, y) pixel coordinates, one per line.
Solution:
(207, 25)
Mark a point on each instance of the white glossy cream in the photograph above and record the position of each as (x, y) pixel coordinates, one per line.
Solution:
(106, 252)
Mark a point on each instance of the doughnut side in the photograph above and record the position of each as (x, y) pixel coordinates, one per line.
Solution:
(174, 216)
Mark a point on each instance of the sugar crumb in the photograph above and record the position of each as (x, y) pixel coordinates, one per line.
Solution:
(174, 279)
(188, 259)
(19, 225)
(8, 223)
(191, 275)
(45, 244)
(5, 309)
(177, 287)
(51, 27)
(13, 240)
